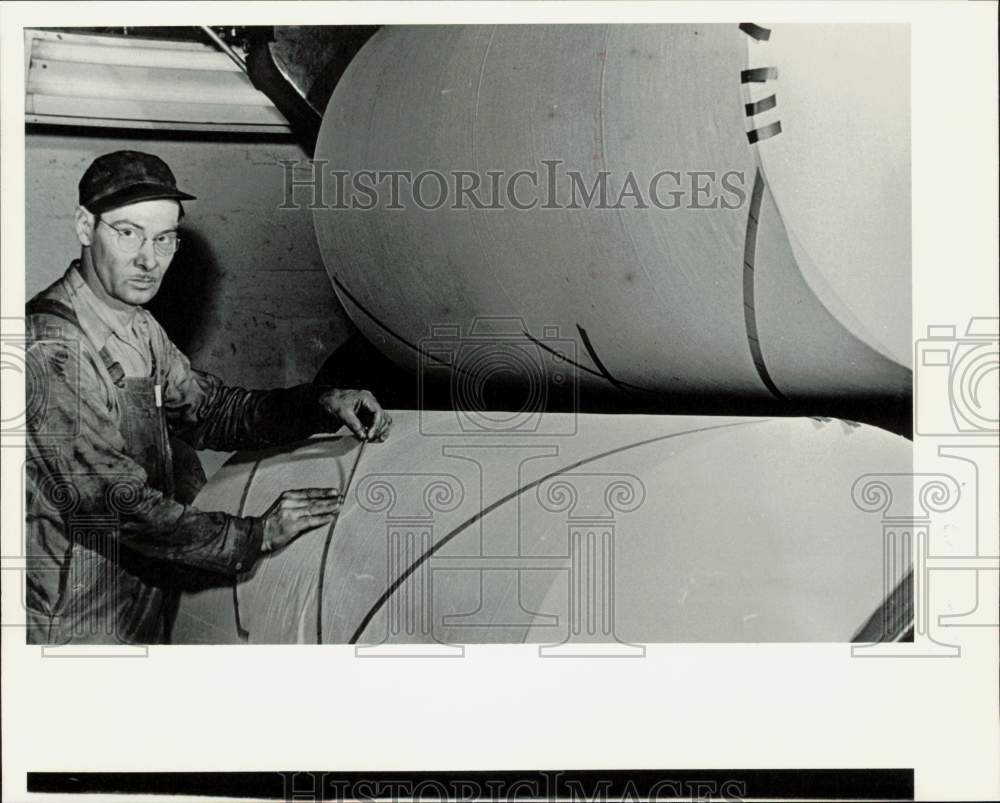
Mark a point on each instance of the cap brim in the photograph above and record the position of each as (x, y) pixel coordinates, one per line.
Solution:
(137, 193)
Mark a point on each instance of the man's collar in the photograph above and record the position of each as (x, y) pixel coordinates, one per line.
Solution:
(98, 319)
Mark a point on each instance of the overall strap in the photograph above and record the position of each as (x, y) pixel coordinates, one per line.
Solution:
(48, 306)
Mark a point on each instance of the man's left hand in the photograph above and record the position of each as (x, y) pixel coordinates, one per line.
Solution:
(351, 406)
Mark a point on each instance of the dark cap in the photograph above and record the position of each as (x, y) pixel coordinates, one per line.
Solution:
(127, 177)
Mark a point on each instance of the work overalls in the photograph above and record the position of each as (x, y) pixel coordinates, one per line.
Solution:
(111, 593)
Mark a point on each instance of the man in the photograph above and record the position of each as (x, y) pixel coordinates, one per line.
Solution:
(108, 519)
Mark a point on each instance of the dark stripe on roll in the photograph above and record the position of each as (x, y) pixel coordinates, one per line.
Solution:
(586, 369)
(893, 619)
(385, 328)
(597, 360)
(749, 310)
(241, 631)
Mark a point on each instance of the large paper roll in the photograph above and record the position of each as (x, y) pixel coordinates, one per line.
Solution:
(741, 246)
(715, 298)
(613, 530)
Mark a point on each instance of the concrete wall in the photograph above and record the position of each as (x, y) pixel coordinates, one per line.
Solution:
(246, 296)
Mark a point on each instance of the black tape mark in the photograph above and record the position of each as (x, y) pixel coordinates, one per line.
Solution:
(758, 32)
(394, 586)
(597, 360)
(749, 310)
(762, 105)
(625, 386)
(758, 75)
(766, 132)
(384, 327)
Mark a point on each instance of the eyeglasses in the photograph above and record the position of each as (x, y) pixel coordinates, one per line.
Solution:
(130, 240)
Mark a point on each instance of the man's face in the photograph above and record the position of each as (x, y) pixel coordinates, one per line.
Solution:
(119, 278)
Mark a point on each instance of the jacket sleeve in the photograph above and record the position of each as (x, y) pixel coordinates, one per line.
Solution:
(77, 466)
(209, 415)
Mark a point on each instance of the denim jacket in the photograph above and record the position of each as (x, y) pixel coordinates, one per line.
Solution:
(78, 469)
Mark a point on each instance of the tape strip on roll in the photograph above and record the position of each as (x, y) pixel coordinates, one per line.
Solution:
(586, 369)
(758, 32)
(765, 132)
(762, 105)
(758, 75)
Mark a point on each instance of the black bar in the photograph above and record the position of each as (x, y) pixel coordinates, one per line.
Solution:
(592, 785)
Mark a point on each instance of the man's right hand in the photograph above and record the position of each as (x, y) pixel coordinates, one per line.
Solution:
(295, 512)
